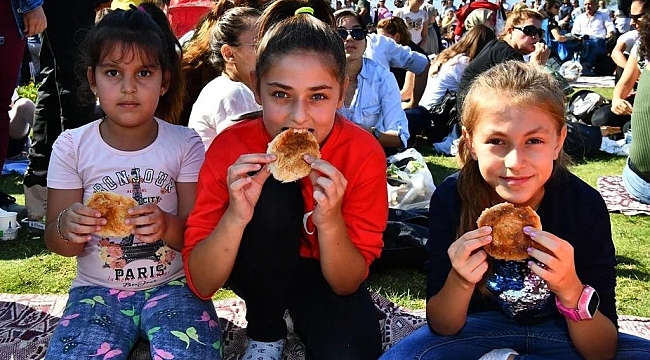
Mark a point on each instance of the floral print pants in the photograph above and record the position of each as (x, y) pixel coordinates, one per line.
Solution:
(101, 323)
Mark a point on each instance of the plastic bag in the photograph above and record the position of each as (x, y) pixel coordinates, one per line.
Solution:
(571, 70)
(409, 181)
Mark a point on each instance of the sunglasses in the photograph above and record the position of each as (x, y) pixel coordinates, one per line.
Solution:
(531, 30)
(636, 17)
(357, 34)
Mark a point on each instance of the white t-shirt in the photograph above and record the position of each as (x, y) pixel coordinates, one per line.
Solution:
(629, 38)
(596, 26)
(220, 102)
(448, 77)
(414, 22)
(82, 160)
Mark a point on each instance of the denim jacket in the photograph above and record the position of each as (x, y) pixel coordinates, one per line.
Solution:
(21, 7)
(377, 101)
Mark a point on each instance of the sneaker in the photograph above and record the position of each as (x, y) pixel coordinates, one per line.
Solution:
(499, 354)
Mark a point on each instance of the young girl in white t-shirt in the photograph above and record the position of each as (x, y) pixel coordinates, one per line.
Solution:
(129, 286)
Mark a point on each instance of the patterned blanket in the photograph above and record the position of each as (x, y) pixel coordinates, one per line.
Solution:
(613, 191)
(27, 323)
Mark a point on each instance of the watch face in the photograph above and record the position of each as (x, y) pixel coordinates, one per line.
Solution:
(594, 301)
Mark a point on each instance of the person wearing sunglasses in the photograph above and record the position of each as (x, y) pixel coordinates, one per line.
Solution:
(594, 27)
(521, 36)
(372, 99)
(626, 41)
(563, 46)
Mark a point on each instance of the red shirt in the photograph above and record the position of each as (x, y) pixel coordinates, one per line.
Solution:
(349, 148)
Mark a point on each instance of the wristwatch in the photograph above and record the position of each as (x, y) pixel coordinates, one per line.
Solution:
(587, 305)
(376, 133)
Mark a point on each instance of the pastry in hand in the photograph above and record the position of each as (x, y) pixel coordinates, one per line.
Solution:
(289, 147)
(509, 242)
(114, 207)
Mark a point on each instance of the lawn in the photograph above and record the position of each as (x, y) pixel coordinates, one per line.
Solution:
(26, 266)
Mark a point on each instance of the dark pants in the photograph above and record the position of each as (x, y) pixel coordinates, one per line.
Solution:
(11, 53)
(57, 106)
(271, 277)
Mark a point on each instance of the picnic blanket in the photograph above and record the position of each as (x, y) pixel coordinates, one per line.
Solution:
(593, 81)
(28, 321)
(617, 198)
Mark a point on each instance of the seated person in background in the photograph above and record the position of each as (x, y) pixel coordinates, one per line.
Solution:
(480, 16)
(196, 64)
(626, 41)
(230, 95)
(396, 29)
(21, 120)
(594, 27)
(372, 99)
(445, 74)
(562, 45)
(520, 37)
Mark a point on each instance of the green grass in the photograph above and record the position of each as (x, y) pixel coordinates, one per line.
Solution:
(27, 266)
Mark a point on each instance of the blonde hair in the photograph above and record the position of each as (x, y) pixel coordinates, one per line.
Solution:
(524, 85)
(518, 17)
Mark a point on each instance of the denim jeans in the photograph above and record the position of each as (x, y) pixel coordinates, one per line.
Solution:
(492, 330)
(635, 185)
(591, 49)
(104, 322)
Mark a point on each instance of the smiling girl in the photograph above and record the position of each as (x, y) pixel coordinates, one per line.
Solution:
(303, 246)
(511, 151)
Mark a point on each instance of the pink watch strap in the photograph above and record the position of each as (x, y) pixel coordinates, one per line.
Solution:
(582, 312)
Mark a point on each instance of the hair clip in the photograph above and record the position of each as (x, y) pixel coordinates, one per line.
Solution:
(304, 10)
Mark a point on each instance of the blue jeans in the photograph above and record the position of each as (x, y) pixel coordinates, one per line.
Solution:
(591, 49)
(490, 330)
(635, 185)
(99, 322)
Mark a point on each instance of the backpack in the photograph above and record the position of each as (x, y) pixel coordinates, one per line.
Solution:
(584, 103)
(582, 140)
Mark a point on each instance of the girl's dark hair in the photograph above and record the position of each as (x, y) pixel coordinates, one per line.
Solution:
(284, 9)
(227, 31)
(284, 33)
(644, 32)
(339, 14)
(470, 44)
(145, 31)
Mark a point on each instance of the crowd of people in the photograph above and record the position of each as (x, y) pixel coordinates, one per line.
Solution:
(182, 127)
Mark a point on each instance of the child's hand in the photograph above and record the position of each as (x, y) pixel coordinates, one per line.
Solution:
(149, 221)
(559, 267)
(467, 257)
(79, 221)
(329, 187)
(246, 178)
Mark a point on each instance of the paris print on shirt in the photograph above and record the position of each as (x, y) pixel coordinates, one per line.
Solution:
(117, 256)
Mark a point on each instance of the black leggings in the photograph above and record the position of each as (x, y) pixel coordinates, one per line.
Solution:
(271, 277)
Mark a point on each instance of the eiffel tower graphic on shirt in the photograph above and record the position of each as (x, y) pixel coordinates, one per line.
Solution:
(139, 251)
